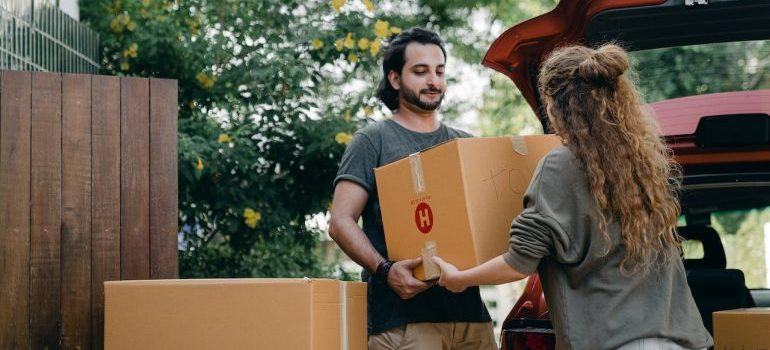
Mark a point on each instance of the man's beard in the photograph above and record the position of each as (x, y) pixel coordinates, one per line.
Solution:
(414, 98)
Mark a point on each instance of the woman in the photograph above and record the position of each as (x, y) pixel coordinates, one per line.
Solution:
(600, 217)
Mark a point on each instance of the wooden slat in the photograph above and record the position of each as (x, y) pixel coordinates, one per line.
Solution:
(163, 179)
(45, 269)
(76, 213)
(105, 208)
(14, 209)
(134, 183)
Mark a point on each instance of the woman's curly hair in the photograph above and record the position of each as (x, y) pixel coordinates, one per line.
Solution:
(596, 109)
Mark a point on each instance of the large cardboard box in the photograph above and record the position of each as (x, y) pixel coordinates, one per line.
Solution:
(235, 314)
(457, 199)
(742, 329)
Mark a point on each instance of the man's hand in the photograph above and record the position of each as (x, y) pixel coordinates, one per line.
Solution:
(402, 281)
(450, 276)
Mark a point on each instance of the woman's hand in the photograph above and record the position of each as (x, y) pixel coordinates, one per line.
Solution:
(450, 276)
(495, 271)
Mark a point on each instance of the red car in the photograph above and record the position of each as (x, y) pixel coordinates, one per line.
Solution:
(721, 137)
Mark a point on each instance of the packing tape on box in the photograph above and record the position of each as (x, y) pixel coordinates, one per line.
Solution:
(431, 269)
(343, 316)
(418, 180)
(519, 145)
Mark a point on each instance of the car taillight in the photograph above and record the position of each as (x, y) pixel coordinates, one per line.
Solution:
(528, 326)
(529, 339)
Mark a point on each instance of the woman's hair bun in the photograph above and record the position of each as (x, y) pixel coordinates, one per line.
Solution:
(604, 66)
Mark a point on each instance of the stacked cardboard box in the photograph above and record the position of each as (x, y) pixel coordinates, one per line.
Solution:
(458, 199)
(292, 314)
(742, 329)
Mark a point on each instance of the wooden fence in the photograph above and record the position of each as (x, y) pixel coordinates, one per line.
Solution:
(88, 193)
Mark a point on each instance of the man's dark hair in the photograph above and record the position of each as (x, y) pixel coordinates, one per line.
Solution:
(394, 57)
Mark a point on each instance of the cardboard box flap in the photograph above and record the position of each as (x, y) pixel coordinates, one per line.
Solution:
(423, 151)
(326, 315)
(354, 334)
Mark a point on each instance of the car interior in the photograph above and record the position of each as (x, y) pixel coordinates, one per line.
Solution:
(714, 287)
(714, 278)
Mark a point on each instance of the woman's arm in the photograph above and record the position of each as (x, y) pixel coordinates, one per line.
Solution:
(495, 271)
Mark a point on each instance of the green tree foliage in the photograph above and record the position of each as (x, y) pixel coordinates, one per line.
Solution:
(504, 110)
(270, 92)
(264, 116)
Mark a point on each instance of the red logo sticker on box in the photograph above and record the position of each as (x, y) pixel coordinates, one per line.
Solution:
(423, 217)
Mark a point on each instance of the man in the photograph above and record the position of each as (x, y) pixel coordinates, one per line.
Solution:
(404, 312)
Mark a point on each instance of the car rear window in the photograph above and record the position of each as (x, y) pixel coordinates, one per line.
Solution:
(699, 69)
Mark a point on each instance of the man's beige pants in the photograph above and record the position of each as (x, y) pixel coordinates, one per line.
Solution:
(436, 336)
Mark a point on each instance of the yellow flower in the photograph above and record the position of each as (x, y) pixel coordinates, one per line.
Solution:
(374, 47)
(395, 30)
(381, 28)
(363, 43)
(146, 2)
(349, 41)
(131, 52)
(369, 5)
(343, 138)
(206, 81)
(224, 138)
(200, 164)
(352, 57)
(368, 111)
(124, 19)
(115, 25)
(317, 43)
(337, 4)
(124, 66)
(193, 24)
(131, 26)
(338, 44)
(252, 217)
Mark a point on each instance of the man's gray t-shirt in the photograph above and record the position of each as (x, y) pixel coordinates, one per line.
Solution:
(593, 304)
(373, 146)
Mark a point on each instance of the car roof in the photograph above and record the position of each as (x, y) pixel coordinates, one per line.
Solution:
(636, 24)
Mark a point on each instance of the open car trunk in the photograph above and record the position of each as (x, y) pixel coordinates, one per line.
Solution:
(722, 139)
